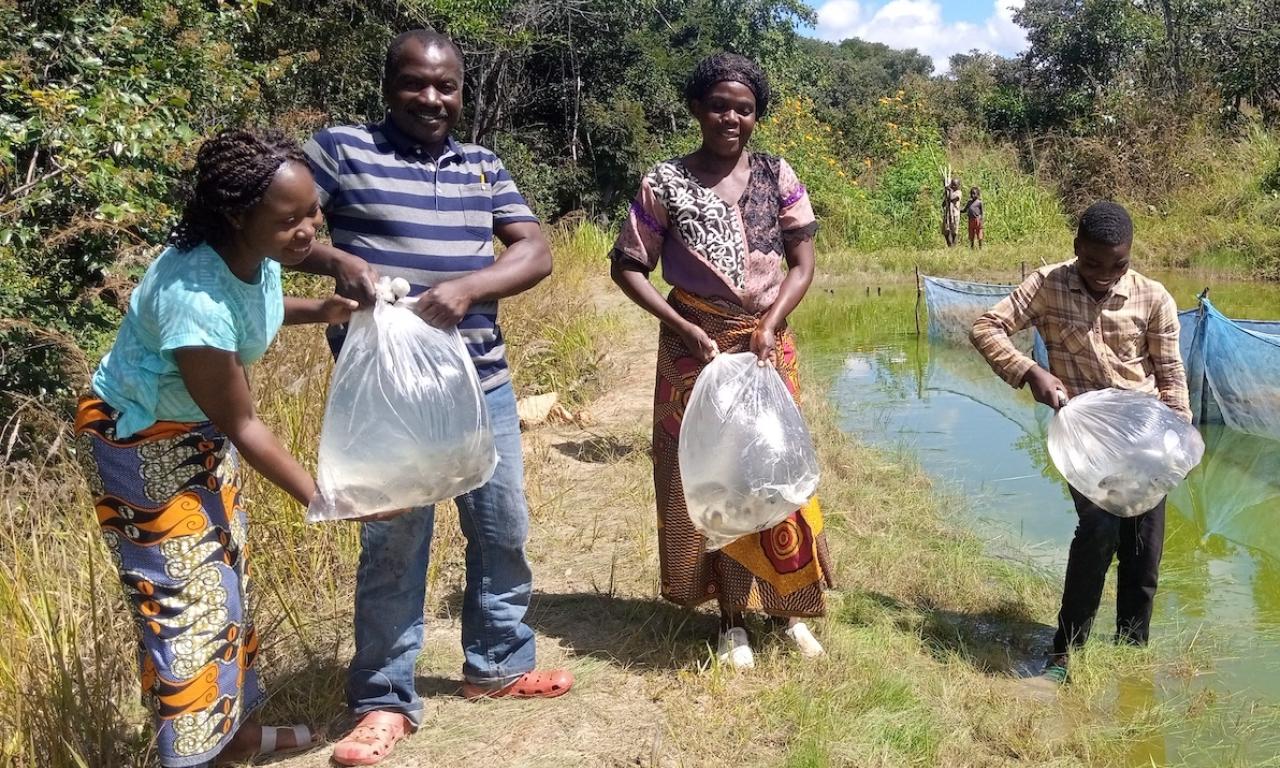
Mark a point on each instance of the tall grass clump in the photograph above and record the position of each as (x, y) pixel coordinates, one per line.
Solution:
(67, 695)
(1226, 219)
(557, 332)
(907, 199)
(1018, 208)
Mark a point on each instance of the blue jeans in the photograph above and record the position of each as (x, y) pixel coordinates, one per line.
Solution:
(391, 585)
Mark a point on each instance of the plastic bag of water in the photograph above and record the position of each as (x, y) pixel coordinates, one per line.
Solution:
(406, 423)
(746, 457)
(1123, 450)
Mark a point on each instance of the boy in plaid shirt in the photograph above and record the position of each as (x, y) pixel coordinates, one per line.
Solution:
(1104, 326)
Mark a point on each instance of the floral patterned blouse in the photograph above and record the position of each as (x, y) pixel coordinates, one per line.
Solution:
(709, 247)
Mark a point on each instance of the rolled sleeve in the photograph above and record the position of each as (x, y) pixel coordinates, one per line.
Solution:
(991, 333)
(1166, 358)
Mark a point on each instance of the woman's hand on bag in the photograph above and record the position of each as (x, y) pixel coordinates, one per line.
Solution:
(445, 305)
(763, 340)
(355, 278)
(336, 310)
(699, 343)
(1046, 388)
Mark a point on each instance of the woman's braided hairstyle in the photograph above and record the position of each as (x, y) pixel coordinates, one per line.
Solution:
(233, 171)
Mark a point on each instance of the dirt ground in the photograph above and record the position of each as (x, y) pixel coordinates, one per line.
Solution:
(594, 552)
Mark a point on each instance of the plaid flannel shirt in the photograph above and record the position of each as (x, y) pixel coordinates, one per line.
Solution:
(1128, 340)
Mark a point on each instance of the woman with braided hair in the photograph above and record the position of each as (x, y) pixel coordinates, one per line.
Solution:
(162, 432)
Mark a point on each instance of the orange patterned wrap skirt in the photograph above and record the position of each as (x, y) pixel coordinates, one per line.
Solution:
(168, 504)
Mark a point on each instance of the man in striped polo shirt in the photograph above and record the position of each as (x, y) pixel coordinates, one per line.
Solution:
(410, 200)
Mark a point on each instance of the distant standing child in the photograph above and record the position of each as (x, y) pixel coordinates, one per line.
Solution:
(1105, 326)
(951, 212)
(973, 209)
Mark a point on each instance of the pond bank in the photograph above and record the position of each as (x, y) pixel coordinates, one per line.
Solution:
(929, 639)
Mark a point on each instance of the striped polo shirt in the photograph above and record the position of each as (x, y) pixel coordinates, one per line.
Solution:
(392, 204)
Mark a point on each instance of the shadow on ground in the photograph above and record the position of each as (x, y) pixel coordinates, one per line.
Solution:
(1003, 640)
(629, 632)
(603, 449)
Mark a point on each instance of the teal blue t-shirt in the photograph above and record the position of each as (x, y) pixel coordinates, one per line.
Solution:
(186, 299)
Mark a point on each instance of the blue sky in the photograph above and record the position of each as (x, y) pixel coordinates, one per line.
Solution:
(937, 28)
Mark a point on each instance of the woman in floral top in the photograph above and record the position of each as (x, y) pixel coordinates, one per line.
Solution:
(721, 221)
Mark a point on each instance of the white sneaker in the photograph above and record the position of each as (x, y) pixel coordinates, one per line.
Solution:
(803, 641)
(735, 649)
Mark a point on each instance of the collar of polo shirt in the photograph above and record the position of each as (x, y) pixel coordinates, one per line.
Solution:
(406, 145)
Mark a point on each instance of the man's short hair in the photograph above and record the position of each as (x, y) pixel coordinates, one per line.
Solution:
(427, 38)
(1106, 223)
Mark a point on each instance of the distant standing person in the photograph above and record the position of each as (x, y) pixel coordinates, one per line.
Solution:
(951, 212)
(973, 210)
(1104, 326)
(722, 221)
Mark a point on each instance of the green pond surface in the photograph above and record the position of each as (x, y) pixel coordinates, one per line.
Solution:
(986, 443)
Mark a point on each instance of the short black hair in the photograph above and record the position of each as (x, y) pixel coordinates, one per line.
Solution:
(721, 67)
(233, 171)
(1106, 223)
(427, 38)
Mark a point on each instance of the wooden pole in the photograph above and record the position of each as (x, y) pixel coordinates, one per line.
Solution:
(917, 300)
(1024, 270)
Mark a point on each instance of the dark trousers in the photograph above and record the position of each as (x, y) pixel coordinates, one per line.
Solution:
(1138, 542)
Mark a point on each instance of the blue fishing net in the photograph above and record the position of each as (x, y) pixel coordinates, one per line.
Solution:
(954, 305)
(1232, 365)
(1232, 370)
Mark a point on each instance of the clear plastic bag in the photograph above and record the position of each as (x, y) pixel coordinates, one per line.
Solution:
(746, 457)
(1123, 450)
(406, 423)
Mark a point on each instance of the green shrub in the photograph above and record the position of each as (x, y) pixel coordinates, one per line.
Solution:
(101, 105)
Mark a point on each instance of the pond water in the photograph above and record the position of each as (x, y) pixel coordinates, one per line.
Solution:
(943, 406)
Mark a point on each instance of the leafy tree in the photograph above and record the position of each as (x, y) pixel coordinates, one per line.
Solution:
(1078, 48)
(100, 104)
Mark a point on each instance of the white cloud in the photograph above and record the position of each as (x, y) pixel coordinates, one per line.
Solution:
(838, 19)
(918, 24)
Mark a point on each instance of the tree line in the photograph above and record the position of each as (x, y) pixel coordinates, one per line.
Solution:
(103, 103)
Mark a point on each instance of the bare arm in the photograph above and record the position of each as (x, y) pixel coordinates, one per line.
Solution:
(634, 282)
(800, 263)
(524, 264)
(217, 383)
(333, 310)
(353, 277)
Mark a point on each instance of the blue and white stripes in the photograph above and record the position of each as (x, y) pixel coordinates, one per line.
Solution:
(395, 206)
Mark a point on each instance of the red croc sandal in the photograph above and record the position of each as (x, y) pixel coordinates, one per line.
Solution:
(371, 742)
(538, 684)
